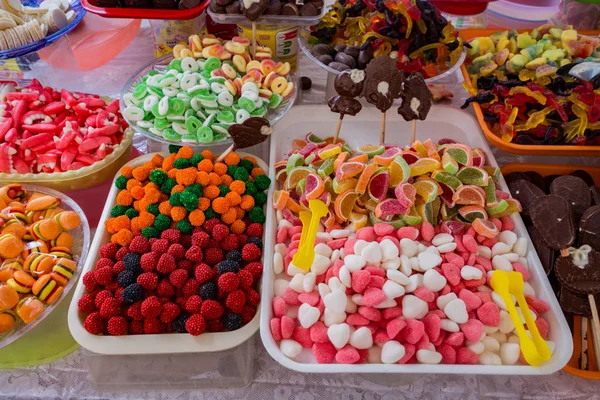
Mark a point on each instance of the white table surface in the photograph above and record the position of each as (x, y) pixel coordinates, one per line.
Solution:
(69, 378)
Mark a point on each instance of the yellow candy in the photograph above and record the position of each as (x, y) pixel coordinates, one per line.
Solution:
(288, 89)
(239, 62)
(279, 85)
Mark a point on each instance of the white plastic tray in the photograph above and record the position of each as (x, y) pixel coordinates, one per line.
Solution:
(442, 122)
(168, 343)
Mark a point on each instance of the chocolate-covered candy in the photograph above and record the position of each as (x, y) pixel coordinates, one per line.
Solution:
(575, 191)
(274, 8)
(526, 192)
(253, 131)
(164, 4)
(339, 48)
(416, 98)
(344, 105)
(537, 179)
(309, 10)
(352, 51)
(552, 217)
(589, 228)
(318, 4)
(350, 83)
(383, 82)
(515, 176)
(595, 193)
(234, 8)
(224, 2)
(548, 179)
(325, 59)
(583, 278)
(290, 9)
(546, 254)
(305, 83)
(138, 3)
(345, 59)
(253, 9)
(187, 4)
(575, 303)
(365, 56)
(587, 178)
(338, 66)
(320, 49)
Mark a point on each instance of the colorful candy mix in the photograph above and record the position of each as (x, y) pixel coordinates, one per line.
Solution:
(48, 130)
(185, 249)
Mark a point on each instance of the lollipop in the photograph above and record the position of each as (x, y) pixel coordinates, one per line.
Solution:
(252, 131)
(348, 85)
(416, 102)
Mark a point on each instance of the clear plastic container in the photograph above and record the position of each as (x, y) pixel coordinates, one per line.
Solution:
(80, 249)
(284, 20)
(82, 178)
(231, 368)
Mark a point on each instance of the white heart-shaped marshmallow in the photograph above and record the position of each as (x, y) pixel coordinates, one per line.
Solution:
(433, 280)
(308, 315)
(362, 338)
(336, 301)
(456, 310)
(339, 334)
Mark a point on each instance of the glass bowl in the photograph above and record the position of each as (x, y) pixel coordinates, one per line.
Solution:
(160, 64)
(81, 244)
(40, 44)
(307, 47)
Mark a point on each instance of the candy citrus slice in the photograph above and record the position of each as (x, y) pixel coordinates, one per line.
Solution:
(349, 170)
(389, 207)
(344, 204)
(470, 213)
(358, 220)
(410, 157)
(425, 210)
(420, 149)
(314, 186)
(461, 153)
(329, 140)
(326, 168)
(361, 158)
(363, 199)
(485, 228)
(387, 156)
(280, 198)
(426, 190)
(342, 186)
(312, 138)
(365, 177)
(499, 208)
(371, 150)
(295, 160)
(328, 184)
(431, 149)
(293, 206)
(399, 171)
(490, 194)
(281, 175)
(329, 151)
(447, 179)
(406, 194)
(371, 204)
(312, 157)
(359, 210)
(478, 158)
(448, 212)
(395, 223)
(449, 164)
(424, 166)
(379, 185)
(469, 195)
(298, 144)
(436, 204)
(328, 220)
(295, 176)
(412, 217)
(447, 194)
(301, 186)
(340, 159)
(494, 172)
(473, 176)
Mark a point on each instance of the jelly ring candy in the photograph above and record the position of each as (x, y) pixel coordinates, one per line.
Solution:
(247, 104)
(279, 85)
(198, 90)
(167, 81)
(161, 123)
(228, 71)
(250, 95)
(288, 90)
(150, 101)
(225, 116)
(140, 91)
(241, 116)
(225, 99)
(188, 139)
(259, 112)
(176, 106)
(205, 74)
(275, 100)
(188, 81)
(239, 63)
(231, 87)
(192, 124)
(249, 87)
(145, 124)
(170, 134)
(170, 91)
(218, 87)
(175, 64)
(205, 135)
(189, 64)
(211, 64)
(235, 48)
(133, 113)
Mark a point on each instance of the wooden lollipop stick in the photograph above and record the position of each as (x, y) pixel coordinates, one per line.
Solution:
(225, 153)
(338, 129)
(595, 328)
(382, 133)
(583, 357)
(413, 132)
(254, 38)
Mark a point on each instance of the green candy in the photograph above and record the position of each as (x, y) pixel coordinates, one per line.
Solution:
(139, 92)
(189, 138)
(211, 64)
(118, 210)
(175, 64)
(121, 182)
(205, 135)
(155, 111)
(176, 106)
(220, 129)
(192, 124)
(246, 104)
(225, 116)
(275, 100)
(151, 73)
(208, 98)
(259, 112)
(171, 135)
(219, 136)
(200, 92)
(217, 79)
(161, 123)
(155, 90)
(205, 74)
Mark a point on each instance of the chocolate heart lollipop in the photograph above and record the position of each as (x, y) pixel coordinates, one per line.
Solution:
(575, 191)
(595, 192)
(526, 192)
(552, 217)
(580, 270)
(383, 82)
(546, 254)
(416, 99)
(252, 131)
(589, 227)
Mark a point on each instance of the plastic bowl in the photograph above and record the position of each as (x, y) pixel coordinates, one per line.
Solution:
(160, 64)
(82, 241)
(307, 47)
(35, 46)
(82, 178)
(143, 13)
(284, 20)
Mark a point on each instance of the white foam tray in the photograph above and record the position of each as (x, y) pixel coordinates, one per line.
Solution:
(442, 122)
(147, 344)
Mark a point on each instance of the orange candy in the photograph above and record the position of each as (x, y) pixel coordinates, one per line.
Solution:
(141, 173)
(157, 160)
(185, 152)
(178, 213)
(221, 205)
(229, 217)
(207, 154)
(214, 179)
(138, 192)
(186, 176)
(165, 208)
(203, 203)
(127, 171)
(238, 227)
(123, 237)
(202, 178)
(205, 165)
(211, 192)
(232, 159)
(197, 218)
(247, 202)
(234, 198)
(220, 168)
(238, 187)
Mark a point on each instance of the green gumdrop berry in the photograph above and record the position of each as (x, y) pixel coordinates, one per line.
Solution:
(247, 164)
(224, 189)
(196, 189)
(195, 160)
(158, 177)
(262, 182)
(162, 222)
(153, 209)
(185, 226)
(175, 199)
(240, 174)
(251, 188)
(118, 210)
(174, 148)
(169, 184)
(181, 163)
(210, 213)
(189, 201)
(150, 232)
(121, 182)
(260, 199)
(257, 215)
(132, 213)
(231, 170)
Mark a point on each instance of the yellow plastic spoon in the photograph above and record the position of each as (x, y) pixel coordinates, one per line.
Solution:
(305, 255)
(535, 349)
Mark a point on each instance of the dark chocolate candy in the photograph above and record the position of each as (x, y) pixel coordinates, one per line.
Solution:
(349, 83)
(526, 192)
(338, 66)
(552, 217)
(290, 9)
(234, 8)
(574, 303)
(274, 8)
(325, 59)
(224, 2)
(162, 4)
(383, 82)
(537, 179)
(515, 176)
(587, 178)
(344, 105)
(253, 131)
(320, 49)
(589, 227)
(365, 56)
(549, 179)
(352, 51)
(595, 192)
(575, 191)
(187, 4)
(416, 98)
(309, 10)
(345, 59)
(583, 280)
(546, 254)
(305, 83)
(108, 3)
(339, 48)
(253, 9)
(214, 7)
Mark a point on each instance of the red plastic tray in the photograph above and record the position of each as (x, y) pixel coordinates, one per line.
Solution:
(462, 7)
(143, 13)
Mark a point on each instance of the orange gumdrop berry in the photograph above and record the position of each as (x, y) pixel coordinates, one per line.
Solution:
(256, 172)
(238, 227)
(247, 202)
(137, 192)
(234, 198)
(203, 203)
(168, 162)
(186, 176)
(197, 217)
(229, 217)
(127, 171)
(133, 183)
(214, 179)
(172, 173)
(205, 165)
(141, 173)
(178, 213)
(185, 152)
(157, 160)
(251, 159)
(123, 237)
(211, 192)
(240, 213)
(202, 178)
(146, 219)
(238, 187)
(177, 188)
(226, 180)
(152, 196)
(124, 198)
(232, 159)
(207, 154)
(135, 224)
(220, 168)
(221, 205)
(165, 208)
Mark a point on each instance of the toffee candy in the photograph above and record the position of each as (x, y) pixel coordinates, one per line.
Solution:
(416, 99)
(350, 83)
(583, 280)
(552, 217)
(383, 82)
(526, 192)
(575, 191)
(589, 228)
(344, 105)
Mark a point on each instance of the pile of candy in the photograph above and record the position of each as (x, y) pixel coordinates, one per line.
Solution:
(47, 130)
(185, 251)
(257, 8)
(523, 86)
(207, 88)
(402, 264)
(414, 34)
(158, 4)
(35, 250)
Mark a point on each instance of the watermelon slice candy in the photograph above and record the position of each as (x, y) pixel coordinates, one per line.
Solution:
(379, 185)
(452, 227)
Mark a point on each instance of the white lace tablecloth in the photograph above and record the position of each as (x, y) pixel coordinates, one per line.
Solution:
(69, 378)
